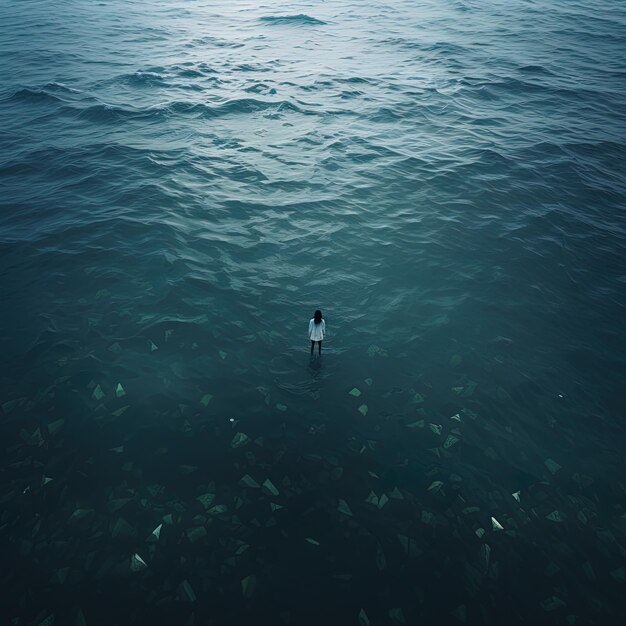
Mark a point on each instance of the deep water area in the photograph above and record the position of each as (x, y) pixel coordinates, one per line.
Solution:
(183, 183)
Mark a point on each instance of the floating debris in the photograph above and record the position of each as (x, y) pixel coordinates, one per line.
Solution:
(137, 564)
(206, 398)
(363, 410)
(369, 382)
(312, 541)
(97, 394)
(382, 501)
(344, 508)
(115, 348)
(281, 407)
(119, 390)
(436, 428)
(152, 346)
(248, 585)
(495, 524)
(239, 440)
(168, 333)
(45, 480)
(276, 507)
(418, 398)
(517, 495)
(355, 392)
(270, 488)
(121, 411)
(363, 619)
(223, 355)
(456, 417)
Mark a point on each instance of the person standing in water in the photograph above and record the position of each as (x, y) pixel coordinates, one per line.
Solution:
(317, 330)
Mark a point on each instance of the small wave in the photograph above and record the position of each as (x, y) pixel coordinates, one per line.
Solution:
(27, 94)
(301, 18)
(144, 79)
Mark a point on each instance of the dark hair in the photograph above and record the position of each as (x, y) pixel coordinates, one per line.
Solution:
(317, 316)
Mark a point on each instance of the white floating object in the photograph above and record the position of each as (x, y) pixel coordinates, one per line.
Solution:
(281, 407)
(98, 394)
(137, 564)
(382, 501)
(363, 409)
(152, 346)
(355, 392)
(456, 417)
(436, 428)
(516, 495)
(495, 524)
(312, 541)
(480, 532)
(369, 382)
(206, 398)
(276, 507)
(119, 390)
(344, 508)
(223, 355)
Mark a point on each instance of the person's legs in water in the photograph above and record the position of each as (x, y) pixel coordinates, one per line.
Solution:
(319, 348)
(312, 346)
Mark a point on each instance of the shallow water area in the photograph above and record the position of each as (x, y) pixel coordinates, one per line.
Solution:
(184, 184)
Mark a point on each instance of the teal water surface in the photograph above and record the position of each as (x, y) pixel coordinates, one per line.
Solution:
(183, 184)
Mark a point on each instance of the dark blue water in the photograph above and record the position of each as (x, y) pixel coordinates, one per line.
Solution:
(183, 184)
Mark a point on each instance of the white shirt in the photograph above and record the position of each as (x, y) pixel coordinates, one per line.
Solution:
(317, 331)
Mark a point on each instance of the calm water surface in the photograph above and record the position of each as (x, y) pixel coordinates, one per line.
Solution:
(182, 184)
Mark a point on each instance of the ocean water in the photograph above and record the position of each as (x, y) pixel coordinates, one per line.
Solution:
(184, 183)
